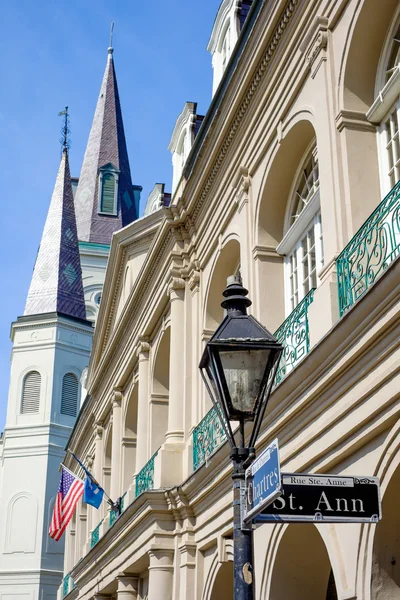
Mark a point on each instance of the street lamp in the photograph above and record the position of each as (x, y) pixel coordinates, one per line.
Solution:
(238, 367)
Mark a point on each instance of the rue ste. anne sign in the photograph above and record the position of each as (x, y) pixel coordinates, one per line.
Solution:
(325, 498)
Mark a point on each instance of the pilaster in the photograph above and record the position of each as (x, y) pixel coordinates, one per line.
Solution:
(116, 444)
(142, 442)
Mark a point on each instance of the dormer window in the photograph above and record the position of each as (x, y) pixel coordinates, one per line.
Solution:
(108, 189)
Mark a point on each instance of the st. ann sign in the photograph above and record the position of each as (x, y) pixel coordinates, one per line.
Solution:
(325, 498)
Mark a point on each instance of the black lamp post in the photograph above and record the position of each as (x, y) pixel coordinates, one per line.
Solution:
(238, 367)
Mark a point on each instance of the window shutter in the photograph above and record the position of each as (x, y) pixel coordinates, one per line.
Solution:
(108, 193)
(31, 393)
(69, 395)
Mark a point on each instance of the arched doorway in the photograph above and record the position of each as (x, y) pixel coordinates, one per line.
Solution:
(385, 580)
(223, 584)
(160, 393)
(228, 263)
(302, 569)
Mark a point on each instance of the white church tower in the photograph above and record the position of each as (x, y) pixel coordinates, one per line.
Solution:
(51, 348)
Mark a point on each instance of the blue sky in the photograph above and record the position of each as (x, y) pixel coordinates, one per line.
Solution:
(56, 56)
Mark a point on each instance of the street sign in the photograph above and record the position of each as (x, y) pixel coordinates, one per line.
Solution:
(325, 498)
(263, 481)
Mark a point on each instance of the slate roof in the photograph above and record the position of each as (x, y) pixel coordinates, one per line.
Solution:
(56, 284)
(106, 144)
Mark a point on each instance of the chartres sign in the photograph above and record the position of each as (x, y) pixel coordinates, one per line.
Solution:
(325, 498)
(263, 481)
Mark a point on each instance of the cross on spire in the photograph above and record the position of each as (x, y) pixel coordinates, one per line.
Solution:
(110, 48)
(65, 130)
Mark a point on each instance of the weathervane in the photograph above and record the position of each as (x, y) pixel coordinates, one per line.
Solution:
(65, 130)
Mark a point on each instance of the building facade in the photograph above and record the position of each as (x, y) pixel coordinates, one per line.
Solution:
(293, 180)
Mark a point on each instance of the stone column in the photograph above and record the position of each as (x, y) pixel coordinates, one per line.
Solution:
(176, 408)
(142, 441)
(115, 490)
(161, 572)
(98, 457)
(128, 587)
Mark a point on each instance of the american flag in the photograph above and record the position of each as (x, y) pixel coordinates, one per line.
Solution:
(69, 492)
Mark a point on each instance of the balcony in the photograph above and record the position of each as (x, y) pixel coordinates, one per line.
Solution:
(294, 335)
(94, 538)
(371, 251)
(114, 514)
(145, 477)
(208, 435)
(67, 585)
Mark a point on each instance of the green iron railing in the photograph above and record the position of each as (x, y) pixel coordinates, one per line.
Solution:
(370, 252)
(114, 514)
(207, 436)
(295, 336)
(65, 587)
(94, 538)
(145, 477)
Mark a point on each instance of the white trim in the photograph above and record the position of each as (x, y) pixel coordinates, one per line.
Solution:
(299, 226)
(186, 117)
(386, 98)
(219, 23)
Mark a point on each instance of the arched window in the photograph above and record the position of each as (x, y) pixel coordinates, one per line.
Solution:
(385, 111)
(302, 244)
(31, 393)
(69, 395)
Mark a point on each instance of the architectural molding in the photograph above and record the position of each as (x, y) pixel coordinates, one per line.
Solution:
(143, 348)
(246, 103)
(315, 44)
(353, 119)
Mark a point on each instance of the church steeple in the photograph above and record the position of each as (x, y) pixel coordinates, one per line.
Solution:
(104, 199)
(56, 284)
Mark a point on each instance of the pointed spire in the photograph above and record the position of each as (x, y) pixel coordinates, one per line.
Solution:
(56, 284)
(106, 151)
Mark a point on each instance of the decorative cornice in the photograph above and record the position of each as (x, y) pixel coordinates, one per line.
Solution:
(246, 103)
(315, 43)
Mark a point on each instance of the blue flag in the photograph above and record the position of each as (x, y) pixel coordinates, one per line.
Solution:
(92, 493)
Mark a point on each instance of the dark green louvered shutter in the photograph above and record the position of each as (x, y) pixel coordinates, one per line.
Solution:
(31, 393)
(69, 395)
(107, 194)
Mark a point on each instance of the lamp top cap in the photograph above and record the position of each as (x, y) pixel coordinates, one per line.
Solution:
(236, 296)
(234, 279)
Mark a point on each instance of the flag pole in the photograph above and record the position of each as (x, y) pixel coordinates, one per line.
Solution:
(114, 505)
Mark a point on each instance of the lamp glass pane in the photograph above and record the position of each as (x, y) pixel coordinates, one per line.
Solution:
(244, 370)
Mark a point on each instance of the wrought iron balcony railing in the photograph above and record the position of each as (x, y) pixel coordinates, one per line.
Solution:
(294, 334)
(114, 514)
(94, 538)
(65, 586)
(207, 436)
(145, 477)
(373, 248)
